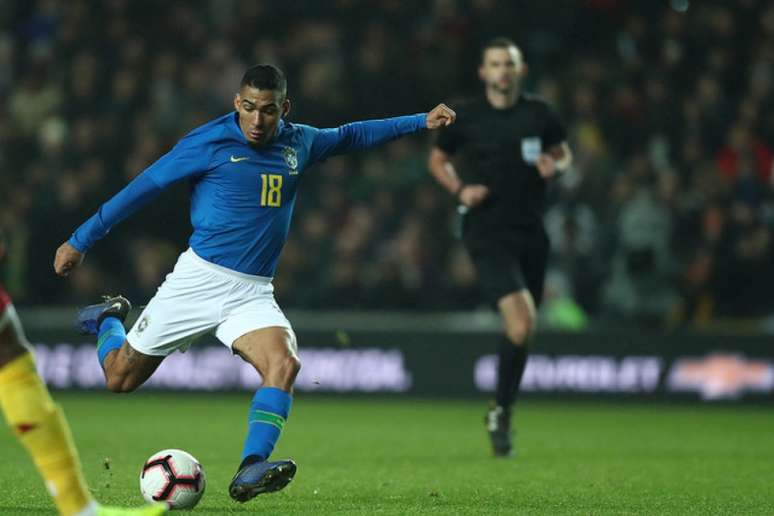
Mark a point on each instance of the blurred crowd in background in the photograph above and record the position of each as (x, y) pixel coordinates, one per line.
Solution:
(666, 218)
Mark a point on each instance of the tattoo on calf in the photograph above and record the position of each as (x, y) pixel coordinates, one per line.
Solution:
(130, 355)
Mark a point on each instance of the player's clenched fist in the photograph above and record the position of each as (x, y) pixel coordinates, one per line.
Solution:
(67, 258)
(441, 116)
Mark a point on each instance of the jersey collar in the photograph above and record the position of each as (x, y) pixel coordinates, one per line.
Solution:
(487, 105)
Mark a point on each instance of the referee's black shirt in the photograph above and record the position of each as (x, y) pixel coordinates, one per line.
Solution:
(499, 148)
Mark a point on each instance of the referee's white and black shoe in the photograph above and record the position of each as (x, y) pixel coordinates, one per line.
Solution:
(498, 426)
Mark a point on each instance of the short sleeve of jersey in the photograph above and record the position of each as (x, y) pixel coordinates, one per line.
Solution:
(450, 138)
(554, 131)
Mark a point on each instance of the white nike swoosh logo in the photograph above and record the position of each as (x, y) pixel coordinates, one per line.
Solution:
(234, 159)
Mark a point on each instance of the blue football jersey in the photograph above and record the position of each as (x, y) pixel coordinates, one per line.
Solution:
(242, 197)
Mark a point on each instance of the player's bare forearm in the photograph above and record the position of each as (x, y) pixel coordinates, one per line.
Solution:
(443, 170)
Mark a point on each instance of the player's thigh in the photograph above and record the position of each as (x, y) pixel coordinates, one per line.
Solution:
(499, 269)
(268, 348)
(13, 344)
(534, 262)
(507, 279)
(255, 328)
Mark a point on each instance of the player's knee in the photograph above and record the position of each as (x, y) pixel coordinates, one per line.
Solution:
(519, 332)
(290, 367)
(283, 371)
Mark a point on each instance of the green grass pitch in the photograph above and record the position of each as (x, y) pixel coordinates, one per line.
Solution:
(377, 456)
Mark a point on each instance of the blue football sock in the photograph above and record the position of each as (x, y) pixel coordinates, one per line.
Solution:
(111, 336)
(268, 412)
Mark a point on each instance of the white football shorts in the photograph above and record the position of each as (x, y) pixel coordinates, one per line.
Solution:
(199, 297)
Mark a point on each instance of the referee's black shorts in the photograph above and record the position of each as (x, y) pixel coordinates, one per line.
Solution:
(509, 261)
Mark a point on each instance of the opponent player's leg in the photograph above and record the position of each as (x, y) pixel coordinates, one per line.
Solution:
(36, 421)
(11, 344)
(273, 353)
(125, 368)
(40, 426)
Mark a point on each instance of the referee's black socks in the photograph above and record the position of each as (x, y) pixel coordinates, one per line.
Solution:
(510, 369)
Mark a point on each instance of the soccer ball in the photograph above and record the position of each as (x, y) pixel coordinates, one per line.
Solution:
(174, 477)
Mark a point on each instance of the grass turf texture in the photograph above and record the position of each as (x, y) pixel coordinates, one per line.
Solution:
(421, 457)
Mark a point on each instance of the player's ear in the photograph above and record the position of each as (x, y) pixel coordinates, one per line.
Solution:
(237, 100)
(285, 107)
(481, 72)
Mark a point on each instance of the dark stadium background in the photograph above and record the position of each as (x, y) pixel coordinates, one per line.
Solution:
(665, 224)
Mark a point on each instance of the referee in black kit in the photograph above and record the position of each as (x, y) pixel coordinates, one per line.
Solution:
(508, 145)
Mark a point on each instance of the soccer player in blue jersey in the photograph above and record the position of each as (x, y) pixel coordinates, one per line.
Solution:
(244, 169)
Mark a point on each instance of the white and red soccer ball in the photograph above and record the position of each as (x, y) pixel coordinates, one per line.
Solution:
(174, 477)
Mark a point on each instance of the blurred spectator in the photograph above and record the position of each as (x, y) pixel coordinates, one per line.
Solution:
(746, 161)
(641, 282)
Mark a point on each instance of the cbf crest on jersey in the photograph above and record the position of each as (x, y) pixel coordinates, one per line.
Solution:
(291, 158)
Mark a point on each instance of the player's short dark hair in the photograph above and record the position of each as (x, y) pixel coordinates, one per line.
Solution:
(498, 42)
(265, 77)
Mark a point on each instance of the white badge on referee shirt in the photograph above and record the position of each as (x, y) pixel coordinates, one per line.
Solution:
(530, 149)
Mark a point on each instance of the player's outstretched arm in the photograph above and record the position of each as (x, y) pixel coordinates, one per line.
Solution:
(71, 253)
(370, 133)
(185, 160)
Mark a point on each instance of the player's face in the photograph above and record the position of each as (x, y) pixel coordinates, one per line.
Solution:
(502, 68)
(259, 113)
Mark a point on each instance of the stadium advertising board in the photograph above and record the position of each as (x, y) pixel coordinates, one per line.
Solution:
(445, 365)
